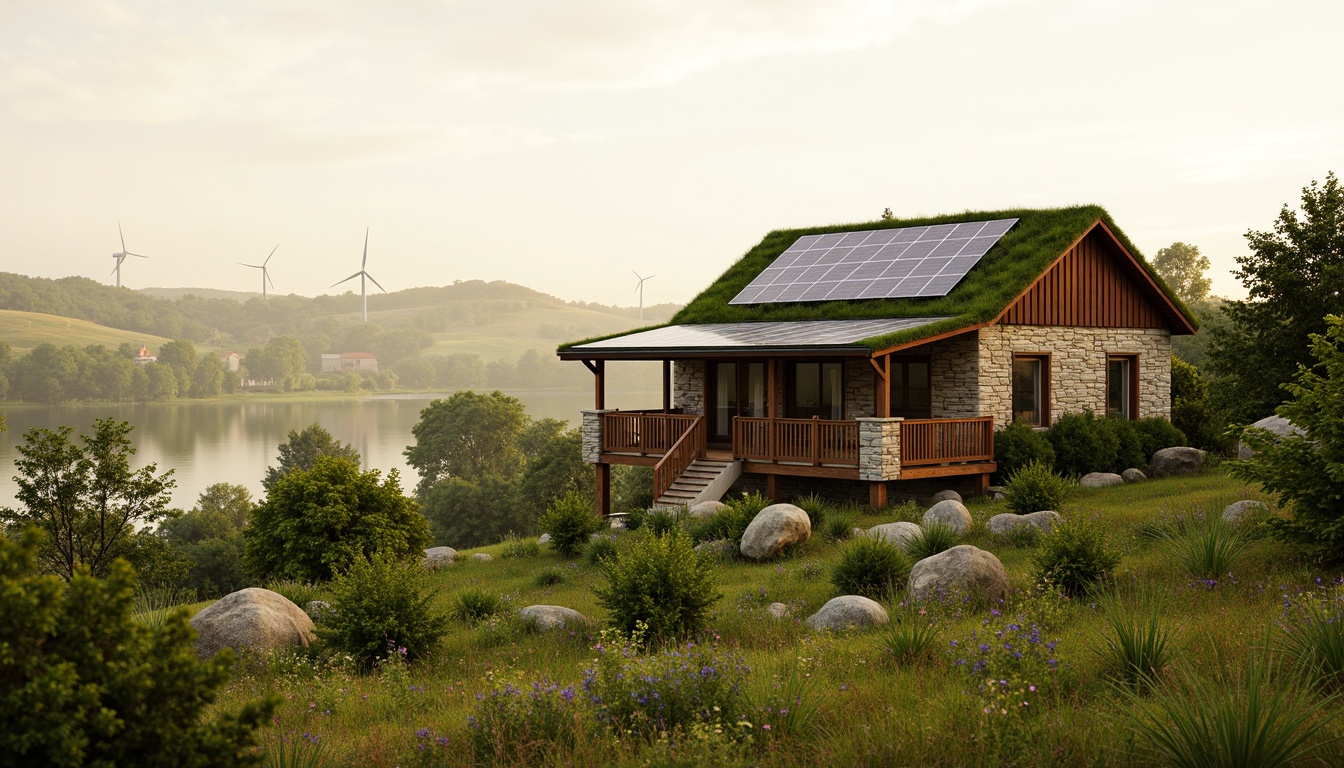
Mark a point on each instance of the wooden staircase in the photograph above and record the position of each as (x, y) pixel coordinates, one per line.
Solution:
(704, 480)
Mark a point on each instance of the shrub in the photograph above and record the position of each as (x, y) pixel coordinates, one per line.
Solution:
(1156, 433)
(516, 726)
(870, 566)
(473, 605)
(932, 539)
(382, 604)
(1138, 640)
(634, 519)
(548, 577)
(570, 520)
(1082, 444)
(85, 684)
(1035, 488)
(659, 522)
(729, 523)
(1191, 412)
(516, 547)
(660, 582)
(911, 638)
(816, 508)
(1018, 445)
(838, 527)
(600, 549)
(1075, 555)
(297, 592)
(1208, 549)
(1128, 445)
(1313, 631)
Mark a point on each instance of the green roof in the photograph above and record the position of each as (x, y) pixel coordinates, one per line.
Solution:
(1009, 268)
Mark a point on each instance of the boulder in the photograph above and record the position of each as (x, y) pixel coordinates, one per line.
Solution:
(1133, 475)
(774, 528)
(1244, 511)
(963, 568)
(848, 611)
(1101, 480)
(253, 619)
(1173, 462)
(482, 557)
(318, 609)
(547, 617)
(438, 557)
(1276, 424)
(996, 492)
(1044, 521)
(778, 610)
(706, 509)
(618, 524)
(953, 514)
(945, 496)
(899, 534)
(545, 538)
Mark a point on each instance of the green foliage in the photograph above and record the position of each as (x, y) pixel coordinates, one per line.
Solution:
(474, 605)
(297, 592)
(1128, 445)
(1075, 556)
(816, 508)
(1313, 632)
(85, 497)
(1156, 433)
(932, 539)
(1191, 410)
(1010, 663)
(518, 547)
(838, 526)
(473, 513)
(86, 684)
(1018, 445)
(787, 701)
(548, 577)
(1035, 488)
(661, 521)
(632, 488)
(1183, 267)
(662, 583)
(210, 537)
(634, 519)
(1307, 471)
(381, 606)
(554, 465)
(1082, 444)
(870, 566)
(517, 726)
(469, 436)
(323, 520)
(1294, 277)
(729, 523)
(570, 521)
(911, 638)
(301, 450)
(1208, 548)
(1138, 639)
(600, 549)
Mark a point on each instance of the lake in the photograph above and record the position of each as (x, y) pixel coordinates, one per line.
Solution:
(233, 441)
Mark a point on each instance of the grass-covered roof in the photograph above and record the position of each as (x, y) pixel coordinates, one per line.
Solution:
(1010, 267)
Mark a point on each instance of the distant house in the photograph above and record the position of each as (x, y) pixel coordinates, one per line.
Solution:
(230, 360)
(142, 357)
(885, 355)
(349, 361)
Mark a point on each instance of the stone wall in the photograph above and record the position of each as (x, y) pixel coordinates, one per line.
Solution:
(591, 430)
(860, 391)
(879, 449)
(688, 386)
(954, 373)
(1077, 367)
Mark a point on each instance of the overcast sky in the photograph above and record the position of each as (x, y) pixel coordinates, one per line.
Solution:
(561, 145)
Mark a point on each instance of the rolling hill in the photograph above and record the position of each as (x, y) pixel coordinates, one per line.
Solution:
(25, 330)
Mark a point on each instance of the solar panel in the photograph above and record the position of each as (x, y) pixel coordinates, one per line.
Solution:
(876, 264)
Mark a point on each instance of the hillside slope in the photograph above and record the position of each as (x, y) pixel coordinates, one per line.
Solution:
(25, 330)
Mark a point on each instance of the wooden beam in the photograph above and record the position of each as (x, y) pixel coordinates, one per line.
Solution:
(603, 488)
(600, 385)
(930, 339)
(982, 484)
(772, 489)
(948, 470)
(772, 388)
(877, 495)
(883, 384)
(800, 470)
(589, 365)
(630, 459)
(667, 386)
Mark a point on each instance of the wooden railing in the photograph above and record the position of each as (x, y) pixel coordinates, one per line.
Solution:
(687, 449)
(797, 441)
(946, 441)
(643, 432)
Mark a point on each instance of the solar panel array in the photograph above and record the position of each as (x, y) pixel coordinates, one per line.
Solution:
(876, 264)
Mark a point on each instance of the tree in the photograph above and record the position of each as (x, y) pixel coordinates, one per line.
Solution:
(472, 513)
(467, 436)
(1295, 276)
(1183, 268)
(302, 450)
(318, 521)
(208, 378)
(210, 537)
(179, 355)
(86, 498)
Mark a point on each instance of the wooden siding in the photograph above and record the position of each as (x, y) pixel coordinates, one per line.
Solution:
(1093, 285)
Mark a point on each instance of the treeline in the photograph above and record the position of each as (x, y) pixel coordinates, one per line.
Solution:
(535, 369)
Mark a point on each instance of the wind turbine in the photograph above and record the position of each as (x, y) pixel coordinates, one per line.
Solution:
(361, 274)
(120, 257)
(640, 288)
(265, 276)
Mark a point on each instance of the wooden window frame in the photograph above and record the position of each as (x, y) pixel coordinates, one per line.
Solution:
(1133, 359)
(791, 385)
(1044, 359)
(906, 360)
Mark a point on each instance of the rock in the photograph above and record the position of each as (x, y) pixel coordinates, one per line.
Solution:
(318, 609)
(899, 534)
(1044, 521)
(963, 568)
(547, 617)
(1244, 511)
(996, 492)
(856, 531)
(545, 538)
(1101, 480)
(1276, 424)
(774, 528)
(254, 619)
(1133, 475)
(1172, 462)
(945, 496)
(618, 524)
(482, 557)
(778, 610)
(848, 611)
(706, 509)
(438, 557)
(950, 513)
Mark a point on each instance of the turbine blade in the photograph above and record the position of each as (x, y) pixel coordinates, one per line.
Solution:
(352, 277)
(268, 258)
(254, 266)
(365, 262)
(375, 282)
(136, 254)
(267, 276)
(123, 237)
(114, 270)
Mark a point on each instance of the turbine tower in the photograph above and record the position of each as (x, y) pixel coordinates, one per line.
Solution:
(362, 274)
(265, 276)
(120, 257)
(640, 288)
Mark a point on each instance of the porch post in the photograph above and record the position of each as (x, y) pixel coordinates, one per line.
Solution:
(600, 386)
(882, 381)
(772, 489)
(603, 488)
(877, 495)
(667, 386)
(771, 384)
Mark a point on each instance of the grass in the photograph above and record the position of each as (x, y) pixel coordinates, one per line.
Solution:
(25, 330)
(860, 706)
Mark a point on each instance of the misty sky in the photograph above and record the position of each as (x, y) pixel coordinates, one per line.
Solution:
(562, 144)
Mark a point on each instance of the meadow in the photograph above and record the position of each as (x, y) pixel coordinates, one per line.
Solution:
(861, 697)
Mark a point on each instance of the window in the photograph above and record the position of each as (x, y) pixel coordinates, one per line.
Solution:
(1122, 386)
(817, 390)
(910, 387)
(1031, 390)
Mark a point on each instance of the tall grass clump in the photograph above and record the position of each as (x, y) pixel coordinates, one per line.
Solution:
(1208, 548)
(521, 726)
(1075, 556)
(659, 583)
(473, 605)
(787, 700)
(911, 638)
(838, 527)
(297, 592)
(932, 539)
(548, 577)
(1035, 488)
(870, 566)
(1137, 639)
(1313, 631)
(661, 521)
(600, 549)
(570, 520)
(381, 603)
(515, 547)
(816, 508)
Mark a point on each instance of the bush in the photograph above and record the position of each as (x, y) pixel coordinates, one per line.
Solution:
(474, 605)
(1082, 444)
(600, 549)
(660, 582)
(1191, 412)
(548, 577)
(1075, 555)
(517, 547)
(634, 519)
(85, 684)
(570, 520)
(1018, 445)
(515, 726)
(1034, 488)
(838, 527)
(380, 605)
(1156, 433)
(1128, 445)
(1209, 548)
(816, 508)
(932, 539)
(661, 521)
(870, 566)
(729, 523)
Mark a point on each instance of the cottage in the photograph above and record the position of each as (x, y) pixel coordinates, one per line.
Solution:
(231, 361)
(884, 355)
(349, 361)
